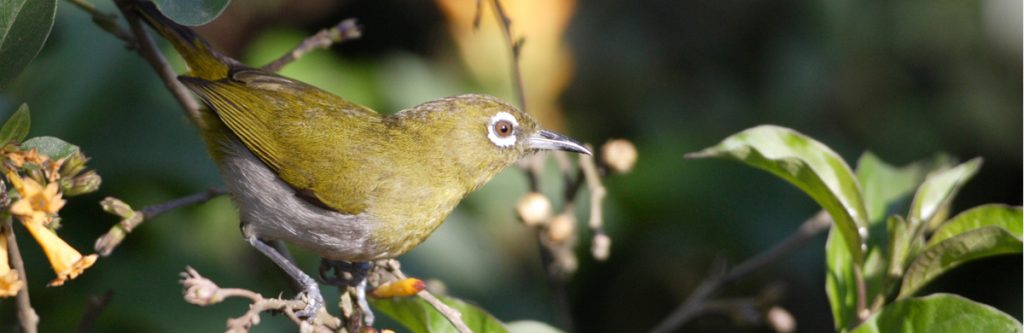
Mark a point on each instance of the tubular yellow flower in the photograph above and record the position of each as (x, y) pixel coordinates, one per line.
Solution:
(65, 260)
(10, 284)
(37, 203)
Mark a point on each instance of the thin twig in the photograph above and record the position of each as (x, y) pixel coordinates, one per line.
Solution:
(345, 30)
(152, 211)
(26, 314)
(454, 316)
(93, 308)
(107, 22)
(130, 219)
(721, 277)
(600, 246)
(148, 50)
(514, 46)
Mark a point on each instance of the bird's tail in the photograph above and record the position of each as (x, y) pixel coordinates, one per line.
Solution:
(203, 62)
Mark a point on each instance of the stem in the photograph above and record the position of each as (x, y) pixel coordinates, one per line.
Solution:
(26, 314)
(514, 47)
(345, 30)
(152, 211)
(721, 277)
(148, 50)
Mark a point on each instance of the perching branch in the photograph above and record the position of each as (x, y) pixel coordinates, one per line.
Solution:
(454, 316)
(601, 244)
(345, 30)
(720, 277)
(203, 292)
(26, 314)
(131, 218)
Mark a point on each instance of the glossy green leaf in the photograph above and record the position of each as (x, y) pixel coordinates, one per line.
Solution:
(192, 12)
(530, 326)
(938, 191)
(418, 316)
(839, 281)
(16, 127)
(808, 164)
(998, 215)
(938, 313)
(50, 146)
(954, 251)
(24, 27)
(884, 185)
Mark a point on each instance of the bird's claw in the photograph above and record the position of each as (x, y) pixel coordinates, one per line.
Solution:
(314, 300)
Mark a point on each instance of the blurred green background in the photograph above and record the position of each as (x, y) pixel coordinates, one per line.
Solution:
(903, 79)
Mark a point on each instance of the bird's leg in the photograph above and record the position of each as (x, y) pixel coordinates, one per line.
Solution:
(350, 274)
(314, 300)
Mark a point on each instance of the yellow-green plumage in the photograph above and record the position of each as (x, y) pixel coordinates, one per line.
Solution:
(308, 167)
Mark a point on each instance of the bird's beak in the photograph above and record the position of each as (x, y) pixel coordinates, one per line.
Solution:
(546, 140)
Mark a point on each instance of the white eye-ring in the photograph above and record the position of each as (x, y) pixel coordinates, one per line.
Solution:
(502, 129)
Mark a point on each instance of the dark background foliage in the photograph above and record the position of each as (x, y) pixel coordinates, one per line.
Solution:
(904, 79)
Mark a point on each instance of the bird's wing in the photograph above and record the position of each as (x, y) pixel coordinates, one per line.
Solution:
(309, 137)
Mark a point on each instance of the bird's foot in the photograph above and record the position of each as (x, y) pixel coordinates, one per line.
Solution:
(314, 301)
(351, 276)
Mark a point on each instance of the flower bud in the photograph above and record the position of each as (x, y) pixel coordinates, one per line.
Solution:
(600, 247)
(117, 207)
(73, 165)
(533, 209)
(401, 288)
(562, 227)
(82, 184)
(619, 155)
(780, 320)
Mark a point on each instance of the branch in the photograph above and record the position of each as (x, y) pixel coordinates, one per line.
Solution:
(720, 277)
(601, 243)
(107, 22)
(345, 30)
(148, 50)
(454, 316)
(26, 314)
(93, 308)
(515, 46)
(131, 218)
(203, 292)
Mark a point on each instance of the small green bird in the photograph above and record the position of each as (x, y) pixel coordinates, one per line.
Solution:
(307, 167)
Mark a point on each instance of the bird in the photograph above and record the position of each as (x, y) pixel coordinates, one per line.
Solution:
(310, 168)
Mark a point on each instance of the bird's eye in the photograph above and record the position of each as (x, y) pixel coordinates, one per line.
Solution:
(501, 129)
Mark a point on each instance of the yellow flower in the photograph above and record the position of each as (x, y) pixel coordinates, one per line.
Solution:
(10, 284)
(65, 260)
(35, 209)
(37, 203)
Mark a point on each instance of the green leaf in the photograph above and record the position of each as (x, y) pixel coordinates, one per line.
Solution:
(16, 127)
(938, 313)
(530, 326)
(884, 185)
(938, 191)
(954, 251)
(192, 12)
(50, 146)
(1003, 216)
(418, 316)
(24, 27)
(840, 284)
(808, 164)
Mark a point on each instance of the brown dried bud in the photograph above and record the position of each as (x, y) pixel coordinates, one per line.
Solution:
(533, 209)
(619, 155)
(562, 227)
